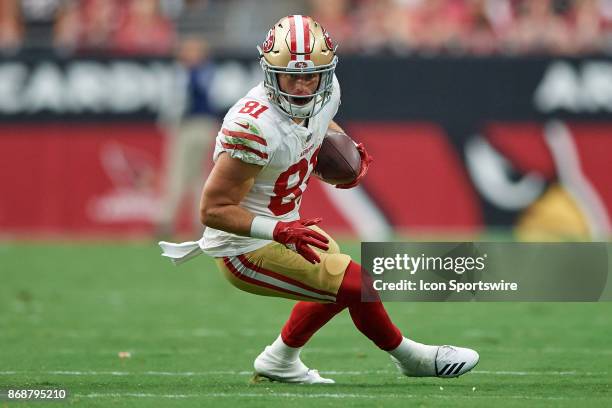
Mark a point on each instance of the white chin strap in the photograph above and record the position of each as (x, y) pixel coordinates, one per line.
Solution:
(298, 111)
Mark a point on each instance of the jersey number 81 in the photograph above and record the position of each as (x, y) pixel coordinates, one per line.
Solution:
(282, 190)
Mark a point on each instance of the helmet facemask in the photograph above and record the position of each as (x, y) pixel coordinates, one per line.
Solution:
(283, 100)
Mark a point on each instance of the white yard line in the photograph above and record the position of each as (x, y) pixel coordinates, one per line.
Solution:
(131, 394)
(345, 351)
(548, 350)
(314, 396)
(541, 373)
(244, 373)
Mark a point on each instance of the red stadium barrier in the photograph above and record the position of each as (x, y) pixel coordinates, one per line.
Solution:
(417, 177)
(106, 178)
(79, 178)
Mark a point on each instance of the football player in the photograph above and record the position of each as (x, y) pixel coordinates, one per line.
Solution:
(265, 152)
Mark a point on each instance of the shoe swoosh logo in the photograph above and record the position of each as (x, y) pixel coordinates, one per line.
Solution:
(242, 125)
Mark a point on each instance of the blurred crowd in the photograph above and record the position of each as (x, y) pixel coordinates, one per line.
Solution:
(118, 26)
(477, 27)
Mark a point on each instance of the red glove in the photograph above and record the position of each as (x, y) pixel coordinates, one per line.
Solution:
(366, 159)
(296, 236)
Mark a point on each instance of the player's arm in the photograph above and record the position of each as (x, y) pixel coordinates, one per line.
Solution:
(228, 183)
(366, 159)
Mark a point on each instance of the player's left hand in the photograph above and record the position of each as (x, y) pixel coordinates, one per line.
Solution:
(366, 159)
(296, 236)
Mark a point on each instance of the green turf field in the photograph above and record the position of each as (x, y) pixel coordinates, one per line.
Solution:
(67, 310)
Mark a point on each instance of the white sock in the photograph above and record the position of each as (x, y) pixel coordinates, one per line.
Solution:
(283, 351)
(416, 358)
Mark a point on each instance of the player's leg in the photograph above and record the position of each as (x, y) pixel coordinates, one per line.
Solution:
(201, 132)
(175, 180)
(277, 271)
(281, 360)
(371, 318)
(325, 282)
(412, 358)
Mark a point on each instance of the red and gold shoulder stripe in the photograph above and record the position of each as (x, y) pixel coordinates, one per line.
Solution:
(234, 146)
(244, 135)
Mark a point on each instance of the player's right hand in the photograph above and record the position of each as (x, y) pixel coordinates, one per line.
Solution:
(296, 236)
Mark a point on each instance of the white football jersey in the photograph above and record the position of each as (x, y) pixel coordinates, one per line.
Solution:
(257, 132)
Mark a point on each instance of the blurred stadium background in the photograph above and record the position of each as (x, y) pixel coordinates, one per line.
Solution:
(481, 114)
(487, 119)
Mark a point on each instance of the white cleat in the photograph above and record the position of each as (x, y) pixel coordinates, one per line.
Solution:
(455, 361)
(450, 361)
(268, 366)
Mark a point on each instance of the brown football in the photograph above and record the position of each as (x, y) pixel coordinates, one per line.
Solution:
(338, 161)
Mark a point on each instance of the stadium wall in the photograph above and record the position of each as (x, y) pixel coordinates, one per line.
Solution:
(459, 143)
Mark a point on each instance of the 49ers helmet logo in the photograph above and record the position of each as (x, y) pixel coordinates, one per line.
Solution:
(269, 43)
(328, 41)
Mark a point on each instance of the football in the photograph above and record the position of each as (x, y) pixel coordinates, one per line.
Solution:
(338, 161)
